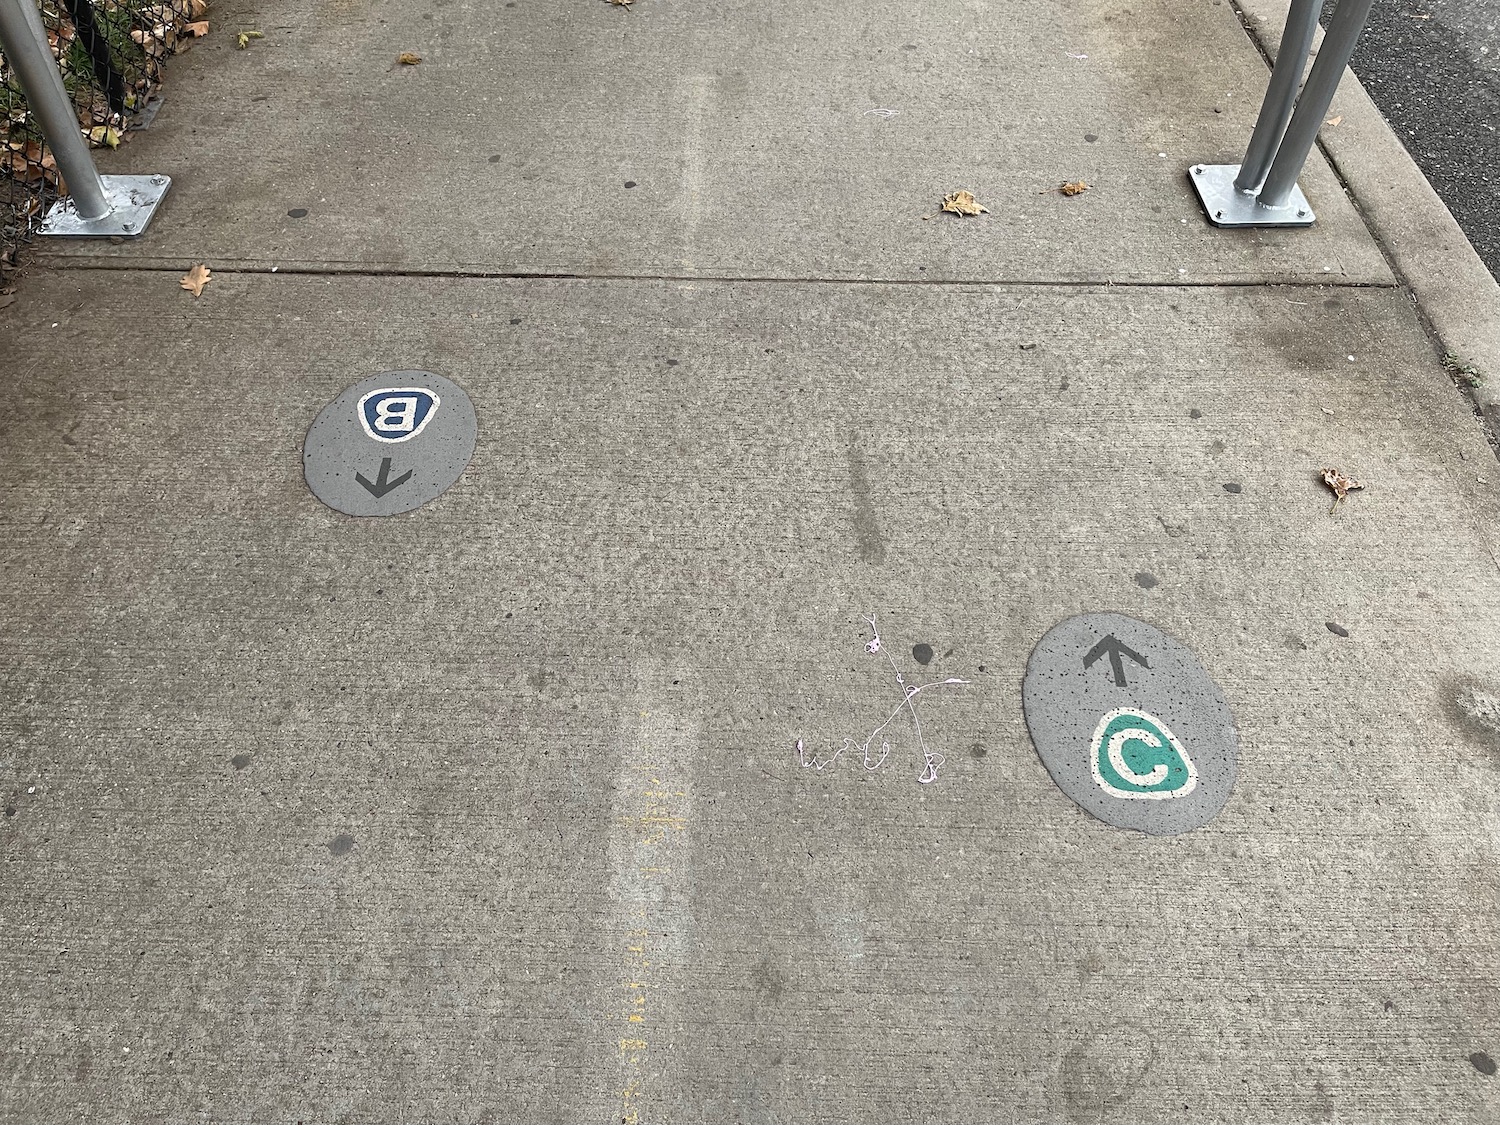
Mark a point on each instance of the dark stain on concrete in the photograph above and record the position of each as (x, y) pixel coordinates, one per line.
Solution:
(1336, 629)
(977, 750)
(1195, 413)
(922, 653)
(341, 844)
(1234, 488)
(1103, 1072)
(1146, 580)
(240, 761)
(867, 533)
(1483, 1063)
(769, 979)
(1473, 706)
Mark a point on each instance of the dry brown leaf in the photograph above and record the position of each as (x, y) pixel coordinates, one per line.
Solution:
(1074, 187)
(1341, 484)
(198, 29)
(28, 163)
(406, 58)
(196, 278)
(196, 8)
(963, 203)
(1335, 121)
(156, 41)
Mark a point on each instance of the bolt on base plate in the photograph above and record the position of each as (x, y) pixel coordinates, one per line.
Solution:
(1228, 207)
(133, 200)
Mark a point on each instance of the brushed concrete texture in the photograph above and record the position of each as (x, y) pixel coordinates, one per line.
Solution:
(746, 130)
(491, 812)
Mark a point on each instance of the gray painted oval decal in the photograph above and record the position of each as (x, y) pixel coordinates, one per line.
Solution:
(1129, 724)
(390, 443)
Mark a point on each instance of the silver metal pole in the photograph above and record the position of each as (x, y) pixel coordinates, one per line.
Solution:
(36, 70)
(96, 206)
(1317, 96)
(1276, 110)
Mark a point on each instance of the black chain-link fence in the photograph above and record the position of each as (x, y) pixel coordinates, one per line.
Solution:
(110, 53)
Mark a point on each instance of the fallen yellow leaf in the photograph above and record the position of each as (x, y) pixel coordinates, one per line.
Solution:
(242, 40)
(196, 278)
(105, 135)
(406, 58)
(963, 203)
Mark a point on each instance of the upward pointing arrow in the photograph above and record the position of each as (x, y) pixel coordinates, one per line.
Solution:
(383, 482)
(1114, 648)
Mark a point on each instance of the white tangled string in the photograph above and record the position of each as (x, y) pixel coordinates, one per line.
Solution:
(931, 759)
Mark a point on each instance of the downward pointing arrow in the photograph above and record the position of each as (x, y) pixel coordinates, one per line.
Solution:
(383, 482)
(1115, 648)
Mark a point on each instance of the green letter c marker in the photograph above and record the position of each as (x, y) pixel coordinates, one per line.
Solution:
(1135, 756)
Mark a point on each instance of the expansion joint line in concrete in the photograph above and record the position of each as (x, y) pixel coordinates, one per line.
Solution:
(333, 270)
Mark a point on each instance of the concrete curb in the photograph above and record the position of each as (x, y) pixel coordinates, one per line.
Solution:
(1453, 291)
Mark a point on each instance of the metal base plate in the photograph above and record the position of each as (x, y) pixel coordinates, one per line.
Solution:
(1228, 207)
(133, 200)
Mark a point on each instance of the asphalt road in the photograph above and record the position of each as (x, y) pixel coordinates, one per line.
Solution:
(1433, 68)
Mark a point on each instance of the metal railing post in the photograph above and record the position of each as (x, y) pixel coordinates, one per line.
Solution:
(1313, 102)
(1262, 190)
(96, 205)
(1281, 93)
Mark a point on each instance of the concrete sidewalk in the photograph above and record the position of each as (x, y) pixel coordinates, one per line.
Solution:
(493, 811)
